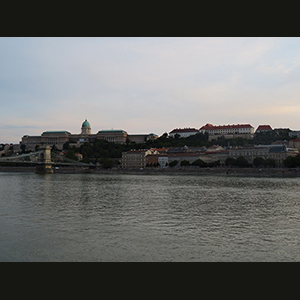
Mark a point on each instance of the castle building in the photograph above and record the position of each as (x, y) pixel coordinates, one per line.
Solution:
(58, 138)
(115, 136)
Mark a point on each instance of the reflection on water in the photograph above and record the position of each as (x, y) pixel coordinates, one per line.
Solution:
(91, 217)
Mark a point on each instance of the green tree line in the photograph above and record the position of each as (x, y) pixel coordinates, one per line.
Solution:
(292, 161)
(101, 150)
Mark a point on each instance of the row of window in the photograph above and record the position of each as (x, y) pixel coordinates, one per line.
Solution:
(248, 154)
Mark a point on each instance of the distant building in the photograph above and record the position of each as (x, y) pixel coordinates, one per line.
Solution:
(160, 150)
(159, 158)
(188, 156)
(295, 143)
(136, 158)
(282, 130)
(141, 138)
(294, 134)
(59, 138)
(215, 153)
(183, 132)
(186, 149)
(115, 136)
(214, 148)
(86, 128)
(278, 152)
(51, 138)
(79, 156)
(163, 161)
(250, 152)
(152, 160)
(227, 129)
(263, 128)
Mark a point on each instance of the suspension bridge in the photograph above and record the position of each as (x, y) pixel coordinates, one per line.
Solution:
(44, 160)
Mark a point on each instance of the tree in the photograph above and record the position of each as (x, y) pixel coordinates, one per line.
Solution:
(297, 160)
(173, 163)
(242, 162)
(230, 161)
(71, 155)
(54, 148)
(66, 145)
(269, 137)
(108, 163)
(185, 163)
(216, 163)
(23, 148)
(258, 162)
(270, 162)
(292, 161)
(199, 163)
(289, 162)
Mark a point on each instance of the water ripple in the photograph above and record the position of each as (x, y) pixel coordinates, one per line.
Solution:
(88, 217)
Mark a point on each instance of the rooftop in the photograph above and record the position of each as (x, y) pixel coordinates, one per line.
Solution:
(277, 149)
(56, 132)
(210, 126)
(264, 127)
(86, 124)
(184, 154)
(113, 131)
(184, 130)
(137, 151)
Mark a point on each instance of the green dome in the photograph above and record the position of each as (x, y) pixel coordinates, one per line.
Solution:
(86, 124)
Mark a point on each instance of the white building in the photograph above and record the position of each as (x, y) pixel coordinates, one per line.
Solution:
(183, 132)
(227, 129)
(163, 161)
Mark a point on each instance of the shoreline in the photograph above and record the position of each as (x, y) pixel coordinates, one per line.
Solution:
(220, 171)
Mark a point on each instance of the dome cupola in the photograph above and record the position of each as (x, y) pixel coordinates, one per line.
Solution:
(86, 124)
(86, 127)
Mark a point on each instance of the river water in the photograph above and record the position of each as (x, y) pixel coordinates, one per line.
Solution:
(97, 217)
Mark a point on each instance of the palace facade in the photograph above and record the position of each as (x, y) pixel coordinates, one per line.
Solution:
(59, 138)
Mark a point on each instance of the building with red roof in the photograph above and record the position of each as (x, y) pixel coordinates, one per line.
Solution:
(227, 129)
(263, 128)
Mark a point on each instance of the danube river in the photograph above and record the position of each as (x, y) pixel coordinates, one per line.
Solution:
(97, 217)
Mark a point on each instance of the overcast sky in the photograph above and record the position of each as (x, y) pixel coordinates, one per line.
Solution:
(146, 84)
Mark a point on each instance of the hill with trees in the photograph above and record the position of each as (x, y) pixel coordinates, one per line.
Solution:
(101, 150)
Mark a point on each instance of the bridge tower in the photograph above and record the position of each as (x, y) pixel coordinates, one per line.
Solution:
(45, 163)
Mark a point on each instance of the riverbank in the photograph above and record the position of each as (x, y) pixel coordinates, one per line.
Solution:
(250, 172)
(220, 171)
